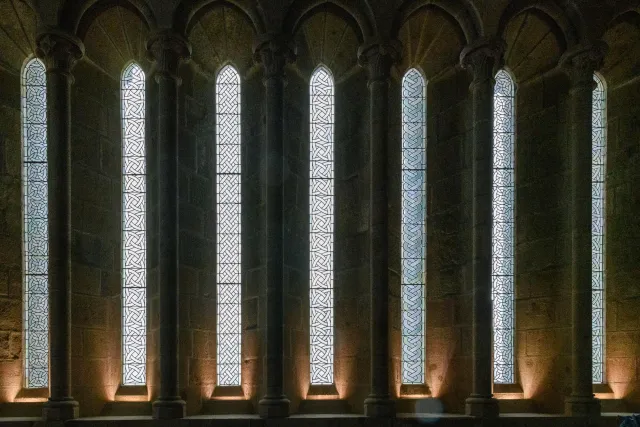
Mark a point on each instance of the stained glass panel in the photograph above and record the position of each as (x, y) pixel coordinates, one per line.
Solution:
(321, 208)
(413, 232)
(229, 230)
(599, 156)
(35, 225)
(134, 241)
(503, 240)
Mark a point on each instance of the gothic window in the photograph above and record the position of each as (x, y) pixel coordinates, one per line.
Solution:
(35, 225)
(599, 156)
(228, 226)
(321, 208)
(134, 222)
(413, 233)
(502, 272)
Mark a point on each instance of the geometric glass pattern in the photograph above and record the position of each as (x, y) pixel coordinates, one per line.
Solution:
(503, 206)
(321, 225)
(413, 232)
(35, 225)
(229, 231)
(598, 171)
(134, 241)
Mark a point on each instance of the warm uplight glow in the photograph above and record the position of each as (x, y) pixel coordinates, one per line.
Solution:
(509, 396)
(131, 398)
(30, 399)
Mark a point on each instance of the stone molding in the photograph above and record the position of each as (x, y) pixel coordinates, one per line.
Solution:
(59, 50)
(274, 51)
(483, 57)
(168, 49)
(580, 62)
(378, 58)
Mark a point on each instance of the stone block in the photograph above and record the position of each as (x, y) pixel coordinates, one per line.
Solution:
(88, 311)
(85, 279)
(10, 314)
(204, 344)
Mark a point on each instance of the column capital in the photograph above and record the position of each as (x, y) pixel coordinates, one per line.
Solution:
(274, 51)
(168, 49)
(483, 57)
(580, 62)
(59, 50)
(378, 57)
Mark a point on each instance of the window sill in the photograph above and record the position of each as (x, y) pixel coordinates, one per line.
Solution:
(27, 403)
(132, 393)
(323, 399)
(228, 400)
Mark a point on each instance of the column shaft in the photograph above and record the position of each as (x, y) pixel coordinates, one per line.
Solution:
(580, 64)
(482, 58)
(168, 49)
(59, 51)
(273, 52)
(378, 58)
(379, 240)
(168, 234)
(274, 238)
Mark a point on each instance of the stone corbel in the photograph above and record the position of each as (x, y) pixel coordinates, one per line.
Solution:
(59, 50)
(274, 51)
(580, 62)
(483, 57)
(378, 58)
(168, 49)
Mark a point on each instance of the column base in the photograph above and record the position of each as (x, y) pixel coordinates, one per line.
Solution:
(379, 407)
(582, 406)
(483, 407)
(60, 410)
(169, 409)
(273, 407)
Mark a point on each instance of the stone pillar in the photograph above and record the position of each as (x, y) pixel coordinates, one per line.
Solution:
(59, 51)
(168, 50)
(273, 52)
(378, 58)
(482, 58)
(580, 63)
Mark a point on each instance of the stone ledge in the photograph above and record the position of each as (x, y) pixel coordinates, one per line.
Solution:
(21, 409)
(404, 420)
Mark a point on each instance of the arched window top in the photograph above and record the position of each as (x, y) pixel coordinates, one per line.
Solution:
(322, 81)
(133, 77)
(413, 83)
(34, 73)
(228, 75)
(505, 84)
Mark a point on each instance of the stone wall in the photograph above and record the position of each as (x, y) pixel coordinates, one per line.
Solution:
(96, 221)
(11, 365)
(543, 242)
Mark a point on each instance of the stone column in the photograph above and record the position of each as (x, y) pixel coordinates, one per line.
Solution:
(59, 51)
(482, 58)
(273, 52)
(378, 59)
(580, 63)
(168, 50)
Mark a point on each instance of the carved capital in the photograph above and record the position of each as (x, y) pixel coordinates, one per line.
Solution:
(582, 61)
(168, 49)
(483, 58)
(274, 51)
(378, 58)
(58, 50)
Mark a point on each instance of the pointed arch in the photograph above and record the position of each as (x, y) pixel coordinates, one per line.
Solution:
(598, 226)
(321, 226)
(503, 234)
(413, 232)
(35, 224)
(229, 227)
(134, 227)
